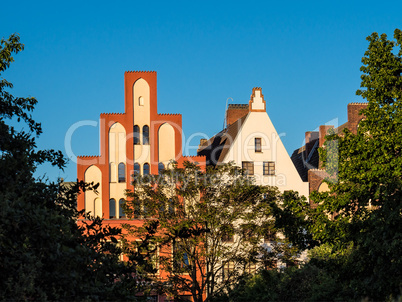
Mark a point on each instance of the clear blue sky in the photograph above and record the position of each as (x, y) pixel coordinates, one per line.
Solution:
(304, 54)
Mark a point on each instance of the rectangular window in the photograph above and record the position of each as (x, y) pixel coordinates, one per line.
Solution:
(257, 142)
(269, 168)
(248, 167)
(250, 268)
(227, 270)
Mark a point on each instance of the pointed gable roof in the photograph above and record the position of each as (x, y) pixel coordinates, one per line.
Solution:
(217, 147)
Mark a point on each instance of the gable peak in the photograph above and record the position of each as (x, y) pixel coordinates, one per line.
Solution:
(257, 102)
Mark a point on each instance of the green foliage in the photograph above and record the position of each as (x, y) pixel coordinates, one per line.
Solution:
(360, 219)
(354, 232)
(308, 283)
(211, 219)
(290, 217)
(44, 254)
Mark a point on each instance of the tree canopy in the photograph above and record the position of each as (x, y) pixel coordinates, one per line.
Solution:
(214, 221)
(358, 223)
(354, 231)
(44, 253)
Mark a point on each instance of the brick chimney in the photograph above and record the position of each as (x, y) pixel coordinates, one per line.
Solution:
(235, 112)
(353, 115)
(323, 131)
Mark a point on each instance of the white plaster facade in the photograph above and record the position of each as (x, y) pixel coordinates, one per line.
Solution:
(239, 145)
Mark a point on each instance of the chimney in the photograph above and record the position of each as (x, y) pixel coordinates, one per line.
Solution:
(323, 131)
(235, 112)
(353, 115)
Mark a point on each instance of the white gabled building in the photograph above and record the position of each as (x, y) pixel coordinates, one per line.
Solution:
(251, 142)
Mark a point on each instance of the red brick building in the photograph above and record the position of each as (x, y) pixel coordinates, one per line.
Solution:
(306, 158)
(140, 140)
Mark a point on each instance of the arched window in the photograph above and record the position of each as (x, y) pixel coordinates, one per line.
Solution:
(122, 172)
(136, 133)
(136, 169)
(112, 208)
(146, 169)
(161, 167)
(121, 212)
(145, 135)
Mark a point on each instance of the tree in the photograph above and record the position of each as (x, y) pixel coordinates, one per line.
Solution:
(360, 218)
(308, 283)
(207, 227)
(44, 253)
